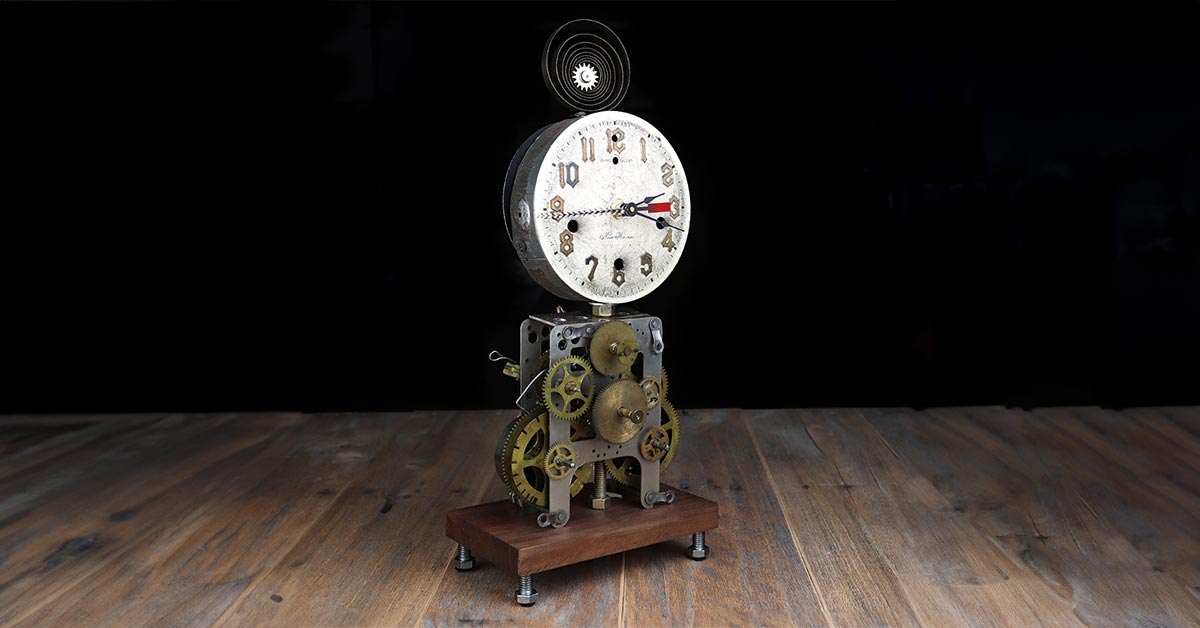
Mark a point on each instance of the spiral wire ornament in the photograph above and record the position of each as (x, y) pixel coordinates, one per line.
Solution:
(585, 65)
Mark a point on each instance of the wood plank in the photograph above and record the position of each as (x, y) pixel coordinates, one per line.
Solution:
(59, 528)
(753, 576)
(203, 543)
(951, 574)
(1158, 463)
(34, 441)
(502, 534)
(378, 555)
(854, 582)
(584, 594)
(1086, 518)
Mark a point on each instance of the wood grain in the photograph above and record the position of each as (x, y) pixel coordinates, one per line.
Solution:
(501, 533)
(753, 561)
(877, 517)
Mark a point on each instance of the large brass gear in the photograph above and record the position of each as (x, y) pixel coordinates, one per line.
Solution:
(620, 411)
(627, 471)
(523, 456)
(568, 388)
(614, 348)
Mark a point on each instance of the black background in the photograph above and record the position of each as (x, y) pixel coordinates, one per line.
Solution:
(214, 207)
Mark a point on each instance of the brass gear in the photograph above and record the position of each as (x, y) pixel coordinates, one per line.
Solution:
(523, 456)
(559, 461)
(568, 388)
(664, 382)
(653, 390)
(655, 444)
(627, 471)
(620, 411)
(614, 348)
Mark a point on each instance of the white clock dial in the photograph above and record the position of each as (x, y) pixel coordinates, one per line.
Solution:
(581, 221)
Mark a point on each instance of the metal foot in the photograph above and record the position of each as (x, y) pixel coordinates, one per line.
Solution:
(526, 594)
(463, 560)
(698, 550)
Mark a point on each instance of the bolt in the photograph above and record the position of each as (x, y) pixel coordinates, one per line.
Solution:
(563, 462)
(572, 387)
(568, 333)
(599, 487)
(636, 416)
(463, 560)
(698, 550)
(526, 594)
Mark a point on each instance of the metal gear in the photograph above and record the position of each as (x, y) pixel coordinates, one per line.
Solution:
(627, 471)
(559, 461)
(655, 444)
(524, 454)
(653, 390)
(585, 77)
(664, 382)
(568, 388)
(620, 411)
(614, 348)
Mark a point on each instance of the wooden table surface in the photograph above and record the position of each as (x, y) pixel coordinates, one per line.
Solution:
(873, 517)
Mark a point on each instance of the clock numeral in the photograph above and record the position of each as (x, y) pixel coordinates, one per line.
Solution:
(556, 208)
(618, 277)
(591, 259)
(668, 174)
(648, 263)
(588, 145)
(668, 240)
(566, 242)
(643, 150)
(614, 140)
(568, 174)
(675, 207)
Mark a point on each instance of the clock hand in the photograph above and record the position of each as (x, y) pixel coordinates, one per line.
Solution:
(631, 210)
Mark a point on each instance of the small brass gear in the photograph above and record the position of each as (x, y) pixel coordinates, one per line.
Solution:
(627, 471)
(523, 456)
(653, 390)
(664, 382)
(655, 444)
(614, 348)
(559, 461)
(568, 388)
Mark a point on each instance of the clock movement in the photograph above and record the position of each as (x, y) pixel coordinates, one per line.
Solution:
(598, 210)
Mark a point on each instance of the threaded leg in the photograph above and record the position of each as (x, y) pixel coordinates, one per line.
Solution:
(526, 594)
(463, 560)
(600, 482)
(698, 550)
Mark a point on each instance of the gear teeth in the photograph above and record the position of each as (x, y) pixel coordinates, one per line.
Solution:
(587, 389)
(622, 469)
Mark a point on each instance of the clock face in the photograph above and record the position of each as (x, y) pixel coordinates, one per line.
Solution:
(599, 245)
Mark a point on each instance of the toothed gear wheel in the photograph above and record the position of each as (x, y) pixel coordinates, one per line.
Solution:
(559, 461)
(585, 77)
(614, 348)
(627, 471)
(524, 454)
(664, 382)
(568, 388)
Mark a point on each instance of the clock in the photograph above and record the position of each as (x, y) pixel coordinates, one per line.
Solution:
(597, 206)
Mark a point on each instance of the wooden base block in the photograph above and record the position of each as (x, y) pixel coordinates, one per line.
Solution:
(505, 535)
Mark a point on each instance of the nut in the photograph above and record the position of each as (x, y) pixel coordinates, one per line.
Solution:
(527, 599)
(464, 565)
(600, 503)
(697, 554)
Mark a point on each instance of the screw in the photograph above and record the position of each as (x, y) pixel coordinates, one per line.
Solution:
(568, 333)
(654, 323)
(698, 550)
(463, 560)
(526, 594)
(599, 486)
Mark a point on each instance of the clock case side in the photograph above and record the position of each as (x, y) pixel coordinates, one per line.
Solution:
(520, 185)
